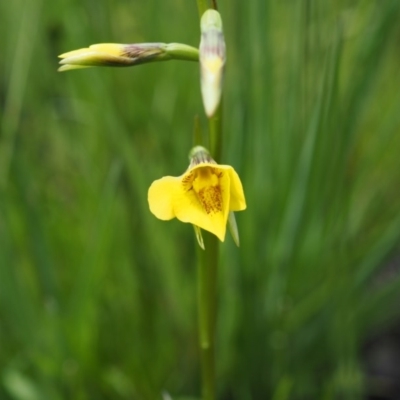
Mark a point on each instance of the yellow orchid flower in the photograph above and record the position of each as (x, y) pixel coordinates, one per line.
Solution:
(125, 55)
(204, 195)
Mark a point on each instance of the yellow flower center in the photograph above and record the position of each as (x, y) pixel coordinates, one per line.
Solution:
(205, 183)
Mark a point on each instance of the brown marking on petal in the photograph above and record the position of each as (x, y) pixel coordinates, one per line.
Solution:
(219, 173)
(211, 199)
(207, 188)
(187, 181)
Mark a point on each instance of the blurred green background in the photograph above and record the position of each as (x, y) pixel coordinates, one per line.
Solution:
(98, 297)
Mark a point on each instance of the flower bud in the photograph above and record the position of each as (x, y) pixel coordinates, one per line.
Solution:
(124, 55)
(212, 60)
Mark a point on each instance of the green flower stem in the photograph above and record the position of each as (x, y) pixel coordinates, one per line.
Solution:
(208, 268)
(207, 302)
(180, 51)
(202, 5)
(215, 129)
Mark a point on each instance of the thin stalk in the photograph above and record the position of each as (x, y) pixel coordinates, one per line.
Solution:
(207, 305)
(208, 267)
(202, 6)
(207, 282)
(197, 133)
(215, 127)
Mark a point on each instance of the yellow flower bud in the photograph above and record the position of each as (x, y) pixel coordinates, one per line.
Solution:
(125, 55)
(212, 60)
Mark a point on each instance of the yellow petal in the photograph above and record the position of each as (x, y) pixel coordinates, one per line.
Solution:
(237, 199)
(208, 210)
(161, 196)
(114, 49)
(171, 197)
(103, 54)
(95, 58)
(68, 67)
(189, 209)
(108, 48)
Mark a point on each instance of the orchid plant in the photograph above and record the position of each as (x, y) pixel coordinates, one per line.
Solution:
(208, 193)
